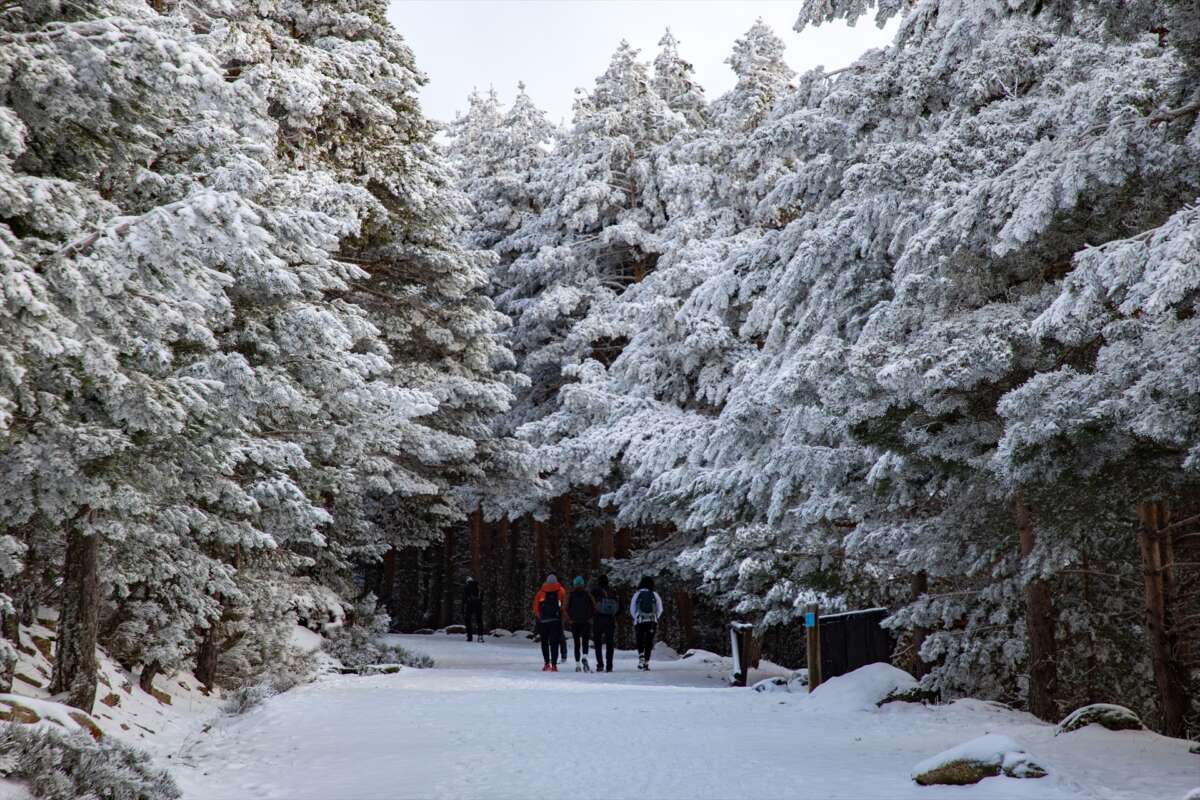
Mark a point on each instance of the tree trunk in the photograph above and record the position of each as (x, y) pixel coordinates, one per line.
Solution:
(539, 544)
(75, 668)
(476, 543)
(206, 658)
(920, 587)
(624, 542)
(387, 578)
(1157, 556)
(448, 584)
(146, 679)
(1039, 623)
(687, 618)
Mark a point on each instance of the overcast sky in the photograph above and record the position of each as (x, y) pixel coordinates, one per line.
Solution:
(557, 45)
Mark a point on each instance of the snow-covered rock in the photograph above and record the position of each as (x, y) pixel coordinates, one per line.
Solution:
(523, 634)
(773, 684)
(971, 762)
(31, 711)
(451, 629)
(501, 632)
(799, 681)
(860, 690)
(1113, 717)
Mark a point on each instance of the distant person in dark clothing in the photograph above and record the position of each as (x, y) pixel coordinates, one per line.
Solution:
(472, 605)
(604, 623)
(548, 607)
(580, 610)
(645, 607)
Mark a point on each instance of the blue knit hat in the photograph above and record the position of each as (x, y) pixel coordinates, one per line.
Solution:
(578, 581)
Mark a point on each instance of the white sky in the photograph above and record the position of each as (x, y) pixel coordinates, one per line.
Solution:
(557, 45)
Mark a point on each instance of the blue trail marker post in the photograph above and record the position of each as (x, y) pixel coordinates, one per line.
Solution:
(812, 630)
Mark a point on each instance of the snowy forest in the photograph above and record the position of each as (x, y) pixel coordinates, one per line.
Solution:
(919, 333)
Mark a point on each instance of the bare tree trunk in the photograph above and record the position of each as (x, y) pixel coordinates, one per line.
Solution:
(1157, 556)
(1039, 623)
(920, 587)
(75, 668)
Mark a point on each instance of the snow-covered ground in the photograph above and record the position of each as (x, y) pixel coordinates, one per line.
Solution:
(486, 723)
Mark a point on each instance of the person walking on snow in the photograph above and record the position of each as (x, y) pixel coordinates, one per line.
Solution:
(580, 610)
(472, 605)
(645, 607)
(604, 623)
(548, 606)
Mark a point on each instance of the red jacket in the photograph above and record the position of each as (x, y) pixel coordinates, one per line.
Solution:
(541, 595)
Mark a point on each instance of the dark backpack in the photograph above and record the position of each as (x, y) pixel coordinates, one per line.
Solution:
(646, 606)
(606, 605)
(549, 610)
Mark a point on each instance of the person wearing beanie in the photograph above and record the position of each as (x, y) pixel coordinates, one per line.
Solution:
(548, 606)
(645, 607)
(604, 623)
(580, 610)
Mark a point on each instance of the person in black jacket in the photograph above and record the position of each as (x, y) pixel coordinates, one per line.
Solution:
(472, 605)
(604, 623)
(580, 610)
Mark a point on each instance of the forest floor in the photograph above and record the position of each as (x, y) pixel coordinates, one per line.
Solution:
(486, 723)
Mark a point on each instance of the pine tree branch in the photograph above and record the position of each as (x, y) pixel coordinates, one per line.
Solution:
(1175, 113)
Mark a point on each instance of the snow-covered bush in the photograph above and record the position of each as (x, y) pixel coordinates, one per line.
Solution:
(74, 766)
(357, 644)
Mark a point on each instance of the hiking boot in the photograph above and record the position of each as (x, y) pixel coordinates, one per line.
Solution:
(546, 668)
(577, 667)
(608, 668)
(586, 667)
(554, 667)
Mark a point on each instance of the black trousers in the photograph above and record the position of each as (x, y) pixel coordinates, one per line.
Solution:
(474, 622)
(581, 632)
(644, 633)
(551, 635)
(605, 631)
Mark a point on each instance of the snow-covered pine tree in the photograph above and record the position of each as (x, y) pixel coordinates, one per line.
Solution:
(128, 244)
(340, 84)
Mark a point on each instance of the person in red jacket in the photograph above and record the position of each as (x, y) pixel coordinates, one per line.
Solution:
(549, 605)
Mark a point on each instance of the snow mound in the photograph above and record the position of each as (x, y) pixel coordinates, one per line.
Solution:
(662, 650)
(860, 690)
(774, 684)
(500, 632)
(1113, 717)
(971, 762)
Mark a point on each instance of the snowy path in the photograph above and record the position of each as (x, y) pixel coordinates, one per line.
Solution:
(487, 724)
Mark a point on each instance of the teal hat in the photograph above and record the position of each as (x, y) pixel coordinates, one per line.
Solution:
(578, 581)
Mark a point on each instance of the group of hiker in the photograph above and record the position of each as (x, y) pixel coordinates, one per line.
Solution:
(589, 613)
